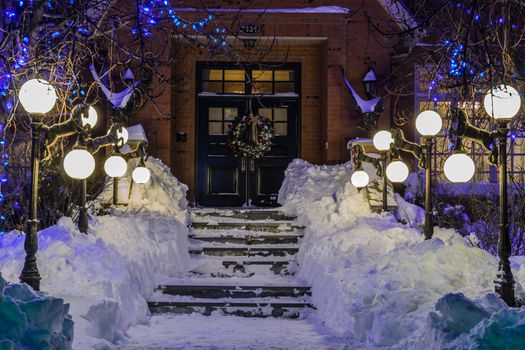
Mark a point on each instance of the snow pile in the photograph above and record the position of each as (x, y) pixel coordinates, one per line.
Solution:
(107, 274)
(163, 194)
(316, 194)
(31, 320)
(375, 280)
(483, 323)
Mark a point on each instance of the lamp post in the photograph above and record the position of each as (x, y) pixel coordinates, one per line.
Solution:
(37, 97)
(502, 103)
(382, 141)
(428, 124)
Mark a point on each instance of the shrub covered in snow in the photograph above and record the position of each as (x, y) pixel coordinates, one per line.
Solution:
(377, 281)
(32, 320)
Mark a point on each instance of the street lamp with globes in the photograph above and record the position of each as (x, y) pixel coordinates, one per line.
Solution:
(502, 103)
(428, 124)
(38, 97)
(382, 141)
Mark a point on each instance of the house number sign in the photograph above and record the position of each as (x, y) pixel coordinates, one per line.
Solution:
(249, 28)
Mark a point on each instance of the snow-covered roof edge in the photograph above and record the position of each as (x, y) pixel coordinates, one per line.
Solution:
(319, 9)
(400, 13)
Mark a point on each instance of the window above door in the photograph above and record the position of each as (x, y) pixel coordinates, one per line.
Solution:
(215, 79)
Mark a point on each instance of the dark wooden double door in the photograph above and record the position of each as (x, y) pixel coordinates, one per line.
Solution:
(226, 180)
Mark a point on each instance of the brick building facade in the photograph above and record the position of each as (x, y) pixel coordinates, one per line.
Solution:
(316, 37)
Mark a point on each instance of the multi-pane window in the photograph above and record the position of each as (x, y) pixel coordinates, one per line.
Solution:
(427, 98)
(224, 81)
(250, 81)
(219, 118)
(279, 118)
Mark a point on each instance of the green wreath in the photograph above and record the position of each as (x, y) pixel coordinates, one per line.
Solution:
(262, 140)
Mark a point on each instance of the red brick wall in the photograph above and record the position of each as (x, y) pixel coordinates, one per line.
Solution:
(321, 43)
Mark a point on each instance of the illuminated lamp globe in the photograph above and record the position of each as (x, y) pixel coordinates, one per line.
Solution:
(91, 119)
(382, 140)
(141, 175)
(502, 102)
(397, 171)
(360, 179)
(79, 164)
(115, 166)
(123, 134)
(429, 123)
(459, 168)
(37, 96)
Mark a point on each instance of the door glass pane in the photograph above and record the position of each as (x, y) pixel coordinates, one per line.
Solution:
(215, 128)
(234, 74)
(212, 74)
(262, 88)
(230, 113)
(280, 129)
(262, 75)
(234, 88)
(284, 87)
(284, 75)
(265, 112)
(280, 114)
(215, 113)
(212, 87)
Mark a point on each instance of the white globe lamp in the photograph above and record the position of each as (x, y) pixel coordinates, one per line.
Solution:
(382, 140)
(115, 166)
(360, 179)
(37, 96)
(502, 102)
(123, 134)
(141, 174)
(79, 164)
(459, 168)
(90, 119)
(397, 171)
(429, 123)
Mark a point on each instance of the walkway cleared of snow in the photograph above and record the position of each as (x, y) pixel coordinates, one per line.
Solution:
(195, 331)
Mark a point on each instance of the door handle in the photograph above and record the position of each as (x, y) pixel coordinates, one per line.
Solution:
(252, 165)
(243, 164)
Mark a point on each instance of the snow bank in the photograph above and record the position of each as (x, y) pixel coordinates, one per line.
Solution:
(483, 323)
(31, 320)
(163, 194)
(375, 280)
(107, 274)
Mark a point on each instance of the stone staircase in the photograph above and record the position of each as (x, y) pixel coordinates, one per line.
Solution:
(243, 265)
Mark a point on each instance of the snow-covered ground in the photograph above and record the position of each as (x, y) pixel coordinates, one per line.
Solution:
(376, 283)
(107, 274)
(379, 283)
(230, 332)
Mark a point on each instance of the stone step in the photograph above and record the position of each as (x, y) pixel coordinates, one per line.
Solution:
(237, 291)
(249, 239)
(242, 267)
(256, 215)
(260, 226)
(245, 251)
(264, 308)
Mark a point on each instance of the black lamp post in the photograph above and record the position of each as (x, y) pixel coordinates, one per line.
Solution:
(502, 103)
(428, 124)
(38, 97)
(382, 141)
